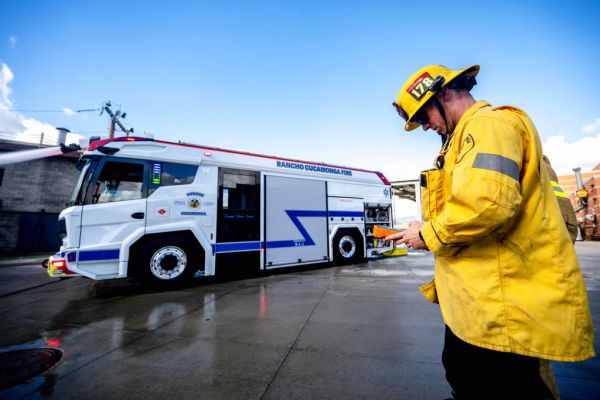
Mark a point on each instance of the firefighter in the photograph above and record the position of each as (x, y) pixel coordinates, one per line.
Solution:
(507, 279)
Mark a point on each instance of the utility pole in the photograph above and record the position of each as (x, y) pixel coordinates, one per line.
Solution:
(111, 126)
(114, 120)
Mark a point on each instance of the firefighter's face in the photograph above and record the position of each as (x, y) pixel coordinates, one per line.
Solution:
(430, 118)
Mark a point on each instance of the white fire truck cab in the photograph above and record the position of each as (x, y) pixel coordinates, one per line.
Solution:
(169, 211)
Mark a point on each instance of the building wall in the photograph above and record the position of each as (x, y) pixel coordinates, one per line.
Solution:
(32, 194)
(588, 217)
(568, 182)
(40, 185)
(9, 231)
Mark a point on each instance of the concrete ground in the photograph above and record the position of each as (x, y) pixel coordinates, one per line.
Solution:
(359, 332)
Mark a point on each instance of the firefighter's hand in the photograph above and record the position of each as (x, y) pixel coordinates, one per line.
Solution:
(409, 236)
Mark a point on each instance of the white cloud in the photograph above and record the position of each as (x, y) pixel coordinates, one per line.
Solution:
(564, 155)
(6, 76)
(582, 153)
(13, 41)
(19, 127)
(592, 128)
(68, 111)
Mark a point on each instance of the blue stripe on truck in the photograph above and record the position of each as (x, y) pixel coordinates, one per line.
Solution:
(294, 215)
(98, 255)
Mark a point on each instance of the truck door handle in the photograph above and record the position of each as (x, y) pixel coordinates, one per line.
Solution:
(138, 215)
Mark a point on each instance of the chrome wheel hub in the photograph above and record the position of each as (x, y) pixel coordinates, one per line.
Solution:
(168, 263)
(347, 246)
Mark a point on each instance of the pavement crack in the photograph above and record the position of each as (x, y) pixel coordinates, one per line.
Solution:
(325, 290)
(26, 289)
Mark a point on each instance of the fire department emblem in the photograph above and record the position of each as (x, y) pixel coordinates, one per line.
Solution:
(193, 203)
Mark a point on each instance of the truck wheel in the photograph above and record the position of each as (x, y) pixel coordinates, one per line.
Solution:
(168, 261)
(347, 247)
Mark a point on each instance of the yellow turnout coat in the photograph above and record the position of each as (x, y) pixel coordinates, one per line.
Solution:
(506, 273)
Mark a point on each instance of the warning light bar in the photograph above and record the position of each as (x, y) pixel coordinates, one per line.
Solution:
(94, 145)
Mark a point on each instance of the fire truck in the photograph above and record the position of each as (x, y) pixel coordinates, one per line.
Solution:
(166, 212)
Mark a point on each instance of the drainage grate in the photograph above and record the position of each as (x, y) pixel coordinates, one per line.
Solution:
(18, 366)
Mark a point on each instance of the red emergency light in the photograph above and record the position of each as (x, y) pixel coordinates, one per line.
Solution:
(383, 178)
(59, 267)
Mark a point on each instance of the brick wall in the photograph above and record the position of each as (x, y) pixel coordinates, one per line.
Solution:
(39, 187)
(590, 226)
(9, 231)
(589, 217)
(44, 184)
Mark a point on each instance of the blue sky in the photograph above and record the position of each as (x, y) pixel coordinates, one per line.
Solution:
(309, 80)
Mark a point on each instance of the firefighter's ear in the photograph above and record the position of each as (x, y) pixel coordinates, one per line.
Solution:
(445, 94)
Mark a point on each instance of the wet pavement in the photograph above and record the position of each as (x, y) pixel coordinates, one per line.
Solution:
(360, 332)
(16, 275)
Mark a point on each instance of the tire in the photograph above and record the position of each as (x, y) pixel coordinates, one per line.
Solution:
(347, 247)
(167, 261)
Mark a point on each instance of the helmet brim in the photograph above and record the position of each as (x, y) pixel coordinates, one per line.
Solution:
(472, 71)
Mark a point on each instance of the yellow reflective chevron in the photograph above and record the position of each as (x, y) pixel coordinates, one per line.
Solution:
(558, 192)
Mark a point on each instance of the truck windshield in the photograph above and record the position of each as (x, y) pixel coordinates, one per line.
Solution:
(84, 166)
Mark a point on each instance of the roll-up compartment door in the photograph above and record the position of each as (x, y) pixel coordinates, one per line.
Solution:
(295, 221)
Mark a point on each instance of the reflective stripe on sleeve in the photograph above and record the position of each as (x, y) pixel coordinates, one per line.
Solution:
(495, 162)
(558, 192)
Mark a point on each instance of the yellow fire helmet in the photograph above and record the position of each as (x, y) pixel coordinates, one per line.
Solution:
(424, 84)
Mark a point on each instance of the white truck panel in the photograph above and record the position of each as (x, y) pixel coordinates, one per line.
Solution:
(296, 223)
(346, 204)
(72, 217)
(194, 202)
(369, 193)
(103, 228)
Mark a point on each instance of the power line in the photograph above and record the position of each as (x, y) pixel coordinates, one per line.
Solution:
(90, 109)
(30, 133)
(25, 110)
(49, 111)
(114, 121)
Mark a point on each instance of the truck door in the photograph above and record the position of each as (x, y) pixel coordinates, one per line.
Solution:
(114, 208)
(238, 222)
(295, 221)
